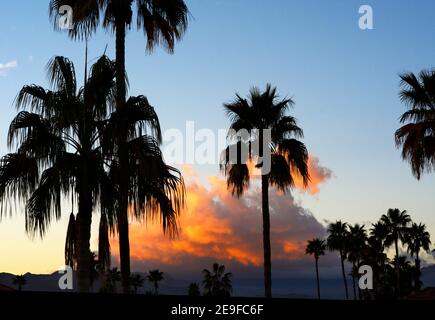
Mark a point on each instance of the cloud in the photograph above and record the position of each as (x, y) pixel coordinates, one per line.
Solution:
(4, 67)
(217, 226)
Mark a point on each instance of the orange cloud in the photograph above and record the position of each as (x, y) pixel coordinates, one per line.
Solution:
(216, 225)
(318, 175)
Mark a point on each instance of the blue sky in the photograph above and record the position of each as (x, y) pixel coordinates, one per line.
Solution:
(344, 81)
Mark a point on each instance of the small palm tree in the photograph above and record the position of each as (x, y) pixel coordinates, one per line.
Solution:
(356, 243)
(417, 135)
(396, 223)
(20, 281)
(136, 282)
(338, 232)
(113, 276)
(155, 276)
(417, 238)
(217, 282)
(194, 290)
(262, 113)
(316, 248)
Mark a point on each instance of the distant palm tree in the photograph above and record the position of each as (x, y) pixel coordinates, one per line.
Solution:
(356, 243)
(57, 136)
(417, 238)
(338, 232)
(316, 248)
(194, 290)
(217, 282)
(286, 155)
(136, 282)
(397, 223)
(417, 135)
(163, 22)
(113, 276)
(155, 276)
(20, 281)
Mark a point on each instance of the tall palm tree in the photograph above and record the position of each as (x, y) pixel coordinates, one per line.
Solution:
(417, 238)
(316, 248)
(396, 222)
(58, 136)
(338, 232)
(217, 282)
(417, 135)
(163, 22)
(263, 113)
(155, 276)
(355, 245)
(20, 281)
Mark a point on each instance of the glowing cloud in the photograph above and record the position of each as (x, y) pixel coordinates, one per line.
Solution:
(216, 225)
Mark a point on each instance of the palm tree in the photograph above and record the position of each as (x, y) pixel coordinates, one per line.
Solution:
(356, 243)
(417, 238)
(163, 22)
(19, 281)
(194, 290)
(59, 136)
(217, 282)
(396, 223)
(316, 248)
(417, 135)
(136, 282)
(259, 115)
(338, 232)
(155, 276)
(113, 276)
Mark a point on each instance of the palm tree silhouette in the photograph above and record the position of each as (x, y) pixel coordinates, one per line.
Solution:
(155, 276)
(396, 223)
(217, 282)
(193, 290)
(316, 247)
(136, 282)
(338, 232)
(20, 281)
(260, 112)
(163, 22)
(58, 137)
(113, 276)
(416, 137)
(356, 244)
(417, 238)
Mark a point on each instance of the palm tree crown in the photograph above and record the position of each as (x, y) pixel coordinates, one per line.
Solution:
(417, 136)
(162, 22)
(217, 282)
(316, 248)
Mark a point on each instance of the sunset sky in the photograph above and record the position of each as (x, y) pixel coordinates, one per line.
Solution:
(345, 84)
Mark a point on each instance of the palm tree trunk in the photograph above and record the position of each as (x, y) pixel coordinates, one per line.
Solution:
(84, 221)
(317, 277)
(396, 245)
(124, 243)
(418, 271)
(266, 236)
(354, 281)
(344, 275)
